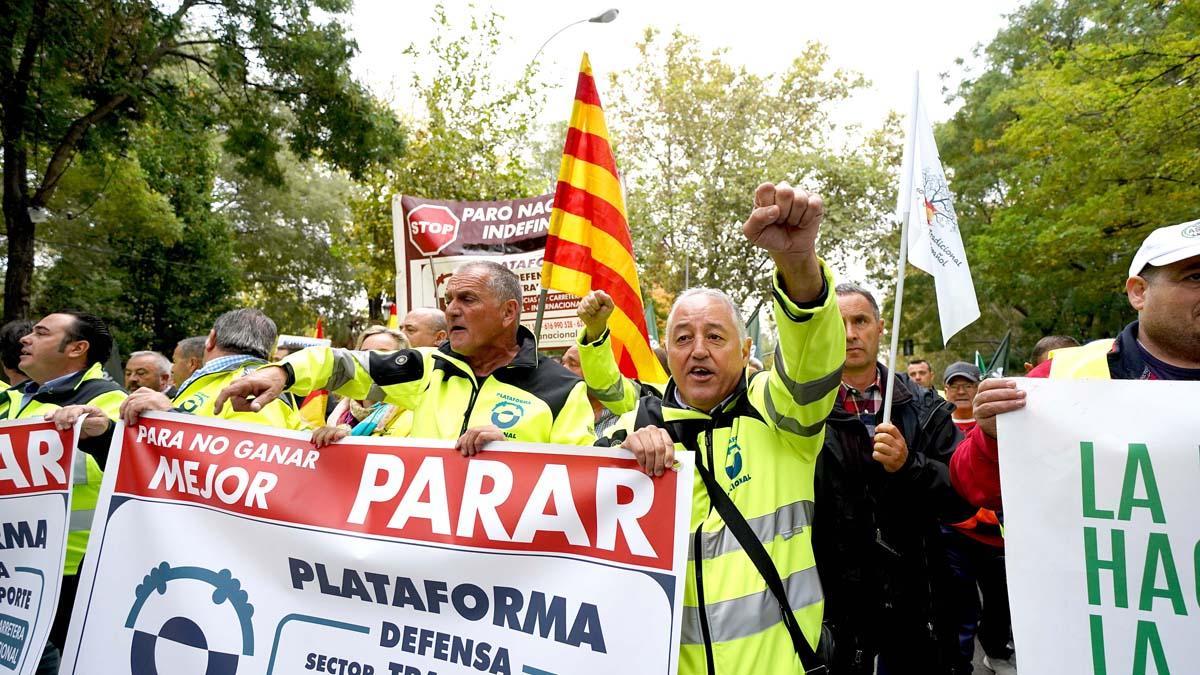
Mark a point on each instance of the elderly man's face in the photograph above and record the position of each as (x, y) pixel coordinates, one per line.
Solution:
(570, 360)
(182, 367)
(706, 357)
(143, 371)
(420, 329)
(476, 318)
(1168, 304)
(961, 392)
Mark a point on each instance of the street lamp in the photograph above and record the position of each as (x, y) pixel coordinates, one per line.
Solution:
(607, 17)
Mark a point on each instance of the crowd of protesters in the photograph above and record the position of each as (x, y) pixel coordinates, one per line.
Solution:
(879, 539)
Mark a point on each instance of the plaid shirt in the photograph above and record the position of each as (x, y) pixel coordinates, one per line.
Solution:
(863, 404)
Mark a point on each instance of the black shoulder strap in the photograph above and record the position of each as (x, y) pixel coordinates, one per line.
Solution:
(754, 548)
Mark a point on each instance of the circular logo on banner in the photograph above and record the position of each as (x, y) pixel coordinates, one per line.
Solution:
(1192, 230)
(185, 637)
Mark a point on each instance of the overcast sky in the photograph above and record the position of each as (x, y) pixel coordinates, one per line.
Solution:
(886, 40)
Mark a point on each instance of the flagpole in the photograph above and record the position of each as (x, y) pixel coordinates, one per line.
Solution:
(902, 261)
(541, 310)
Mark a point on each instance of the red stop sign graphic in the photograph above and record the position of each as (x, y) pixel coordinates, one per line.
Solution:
(432, 228)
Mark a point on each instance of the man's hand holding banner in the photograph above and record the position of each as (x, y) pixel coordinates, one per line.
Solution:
(248, 547)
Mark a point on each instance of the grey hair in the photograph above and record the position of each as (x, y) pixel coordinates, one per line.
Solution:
(502, 281)
(246, 331)
(161, 362)
(400, 338)
(193, 347)
(855, 289)
(738, 322)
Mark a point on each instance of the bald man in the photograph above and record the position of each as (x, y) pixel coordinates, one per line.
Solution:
(424, 327)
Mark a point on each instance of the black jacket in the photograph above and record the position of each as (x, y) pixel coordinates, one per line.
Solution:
(875, 534)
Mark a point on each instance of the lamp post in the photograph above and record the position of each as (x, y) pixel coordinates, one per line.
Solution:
(606, 17)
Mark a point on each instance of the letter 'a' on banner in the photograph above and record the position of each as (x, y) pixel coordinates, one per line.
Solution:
(934, 242)
(36, 464)
(589, 247)
(1102, 529)
(224, 547)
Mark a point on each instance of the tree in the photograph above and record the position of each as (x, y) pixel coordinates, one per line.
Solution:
(1076, 140)
(471, 143)
(287, 242)
(695, 135)
(134, 240)
(84, 75)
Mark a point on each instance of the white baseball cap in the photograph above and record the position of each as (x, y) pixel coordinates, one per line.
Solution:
(1167, 245)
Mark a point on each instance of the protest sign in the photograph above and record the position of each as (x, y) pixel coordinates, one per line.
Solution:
(433, 237)
(35, 505)
(247, 547)
(1102, 527)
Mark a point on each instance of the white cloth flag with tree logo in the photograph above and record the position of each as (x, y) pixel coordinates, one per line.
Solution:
(934, 242)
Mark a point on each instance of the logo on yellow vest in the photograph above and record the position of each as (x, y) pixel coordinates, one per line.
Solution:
(734, 464)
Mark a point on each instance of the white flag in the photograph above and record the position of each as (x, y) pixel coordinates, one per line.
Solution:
(934, 242)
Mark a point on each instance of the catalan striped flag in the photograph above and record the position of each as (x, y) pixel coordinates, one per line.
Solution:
(393, 321)
(588, 247)
(312, 408)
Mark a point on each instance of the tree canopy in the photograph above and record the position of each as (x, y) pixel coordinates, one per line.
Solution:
(1077, 138)
(79, 76)
(695, 135)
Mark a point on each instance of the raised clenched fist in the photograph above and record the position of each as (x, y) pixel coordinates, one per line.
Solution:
(594, 310)
(785, 221)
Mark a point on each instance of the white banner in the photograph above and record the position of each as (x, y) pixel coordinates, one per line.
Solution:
(934, 242)
(225, 548)
(35, 505)
(1101, 484)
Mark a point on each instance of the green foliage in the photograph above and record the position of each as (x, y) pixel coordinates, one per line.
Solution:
(87, 76)
(285, 242)
(1076, 141)
(695, 136)
(470, 145)
(137, 245)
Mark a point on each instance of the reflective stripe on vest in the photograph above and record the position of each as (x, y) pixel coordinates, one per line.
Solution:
(751, 614)
(82, 520)
(1089, 362)
(787, 521)
(79, 472)
(85, 492)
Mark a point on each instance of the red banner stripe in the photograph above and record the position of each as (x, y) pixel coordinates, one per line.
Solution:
(603, 215)
(590, 148)
(571, 255)
(585, 90)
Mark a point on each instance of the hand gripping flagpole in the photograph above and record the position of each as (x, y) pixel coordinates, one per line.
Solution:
(906, 187)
